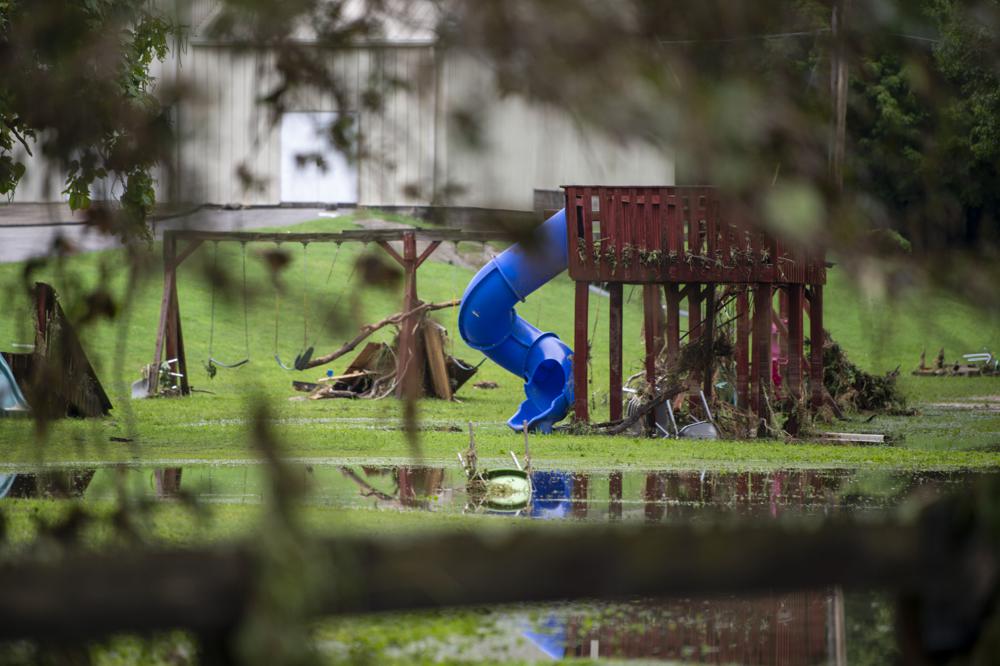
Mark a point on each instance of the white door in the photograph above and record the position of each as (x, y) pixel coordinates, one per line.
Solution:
(303, 135)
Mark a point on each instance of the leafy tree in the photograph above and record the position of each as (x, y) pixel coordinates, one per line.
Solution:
(76, 80)
(925, 128)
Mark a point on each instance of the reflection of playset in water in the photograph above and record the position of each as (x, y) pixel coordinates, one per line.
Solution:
(688, 244)
(792, 628)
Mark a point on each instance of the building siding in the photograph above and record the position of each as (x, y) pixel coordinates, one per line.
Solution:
(406, 151)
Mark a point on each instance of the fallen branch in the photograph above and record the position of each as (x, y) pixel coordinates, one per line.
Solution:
(618, 427)
(368, 329)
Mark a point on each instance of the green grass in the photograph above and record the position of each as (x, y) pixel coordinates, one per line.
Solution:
(879, 334)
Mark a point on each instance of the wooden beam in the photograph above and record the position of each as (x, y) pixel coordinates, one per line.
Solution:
(428, 251)
(581, 351)
(350, 235)
(188, 250)
(392, 252)
(615, 350)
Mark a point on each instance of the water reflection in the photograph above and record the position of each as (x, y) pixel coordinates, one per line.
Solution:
(794, 628)
(49, 484)
(626, 495)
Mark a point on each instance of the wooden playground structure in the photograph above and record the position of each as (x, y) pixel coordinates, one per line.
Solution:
(692, 244)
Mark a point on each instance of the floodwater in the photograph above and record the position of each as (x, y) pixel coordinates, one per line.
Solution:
(822, 626)
(626, 495)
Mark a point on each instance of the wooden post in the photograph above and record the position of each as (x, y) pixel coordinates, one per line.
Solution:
(761, 372)
(742, 348)
(615, 344)
(580, 351)
(709, 331)
(782, 318)
(651, 319)
(409, 358)
(169, 337)
(175, 341)
(816, 338)
(408, 355)
(673, 332)
(793, 371)
(694, 332)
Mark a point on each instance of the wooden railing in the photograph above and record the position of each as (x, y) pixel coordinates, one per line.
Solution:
(676, 234)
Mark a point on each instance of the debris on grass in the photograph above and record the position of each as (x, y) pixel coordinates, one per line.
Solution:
(486, 385)
(373, 373)
(976, 364)
(855, 390)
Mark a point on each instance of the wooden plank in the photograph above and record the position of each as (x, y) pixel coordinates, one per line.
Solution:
(581, 351)
(348, 375)
(860, 437)
(615, 350)
(361, 361)
(436, 361)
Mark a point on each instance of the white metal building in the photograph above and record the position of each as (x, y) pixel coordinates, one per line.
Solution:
(409, 150)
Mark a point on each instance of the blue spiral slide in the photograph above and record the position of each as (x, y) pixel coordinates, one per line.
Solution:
(487, 322)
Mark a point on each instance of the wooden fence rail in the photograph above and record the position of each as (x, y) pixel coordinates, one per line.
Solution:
(207, 591)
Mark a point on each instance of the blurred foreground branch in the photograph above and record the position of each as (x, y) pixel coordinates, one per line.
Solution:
(944, 562)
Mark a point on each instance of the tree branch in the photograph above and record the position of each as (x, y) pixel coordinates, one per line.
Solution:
(368, 329)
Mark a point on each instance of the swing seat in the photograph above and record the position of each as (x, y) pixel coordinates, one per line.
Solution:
(228, 365)
(302, 360)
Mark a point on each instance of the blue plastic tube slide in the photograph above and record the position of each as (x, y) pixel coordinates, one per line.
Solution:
(487, 322)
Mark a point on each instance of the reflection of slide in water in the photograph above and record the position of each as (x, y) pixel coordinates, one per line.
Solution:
(552, 494)
(487, 322)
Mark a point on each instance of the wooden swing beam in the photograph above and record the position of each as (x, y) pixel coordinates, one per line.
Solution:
(178, 245)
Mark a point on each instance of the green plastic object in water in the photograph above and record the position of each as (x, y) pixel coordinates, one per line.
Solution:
(507, 489)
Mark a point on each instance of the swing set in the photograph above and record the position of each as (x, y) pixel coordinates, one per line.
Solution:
(178, 245)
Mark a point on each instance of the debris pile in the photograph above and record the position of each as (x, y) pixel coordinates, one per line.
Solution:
(977, 364)
(675, 406)
(853, 389)
(373, 373)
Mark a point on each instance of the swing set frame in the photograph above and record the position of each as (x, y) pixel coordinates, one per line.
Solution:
(180, 244)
